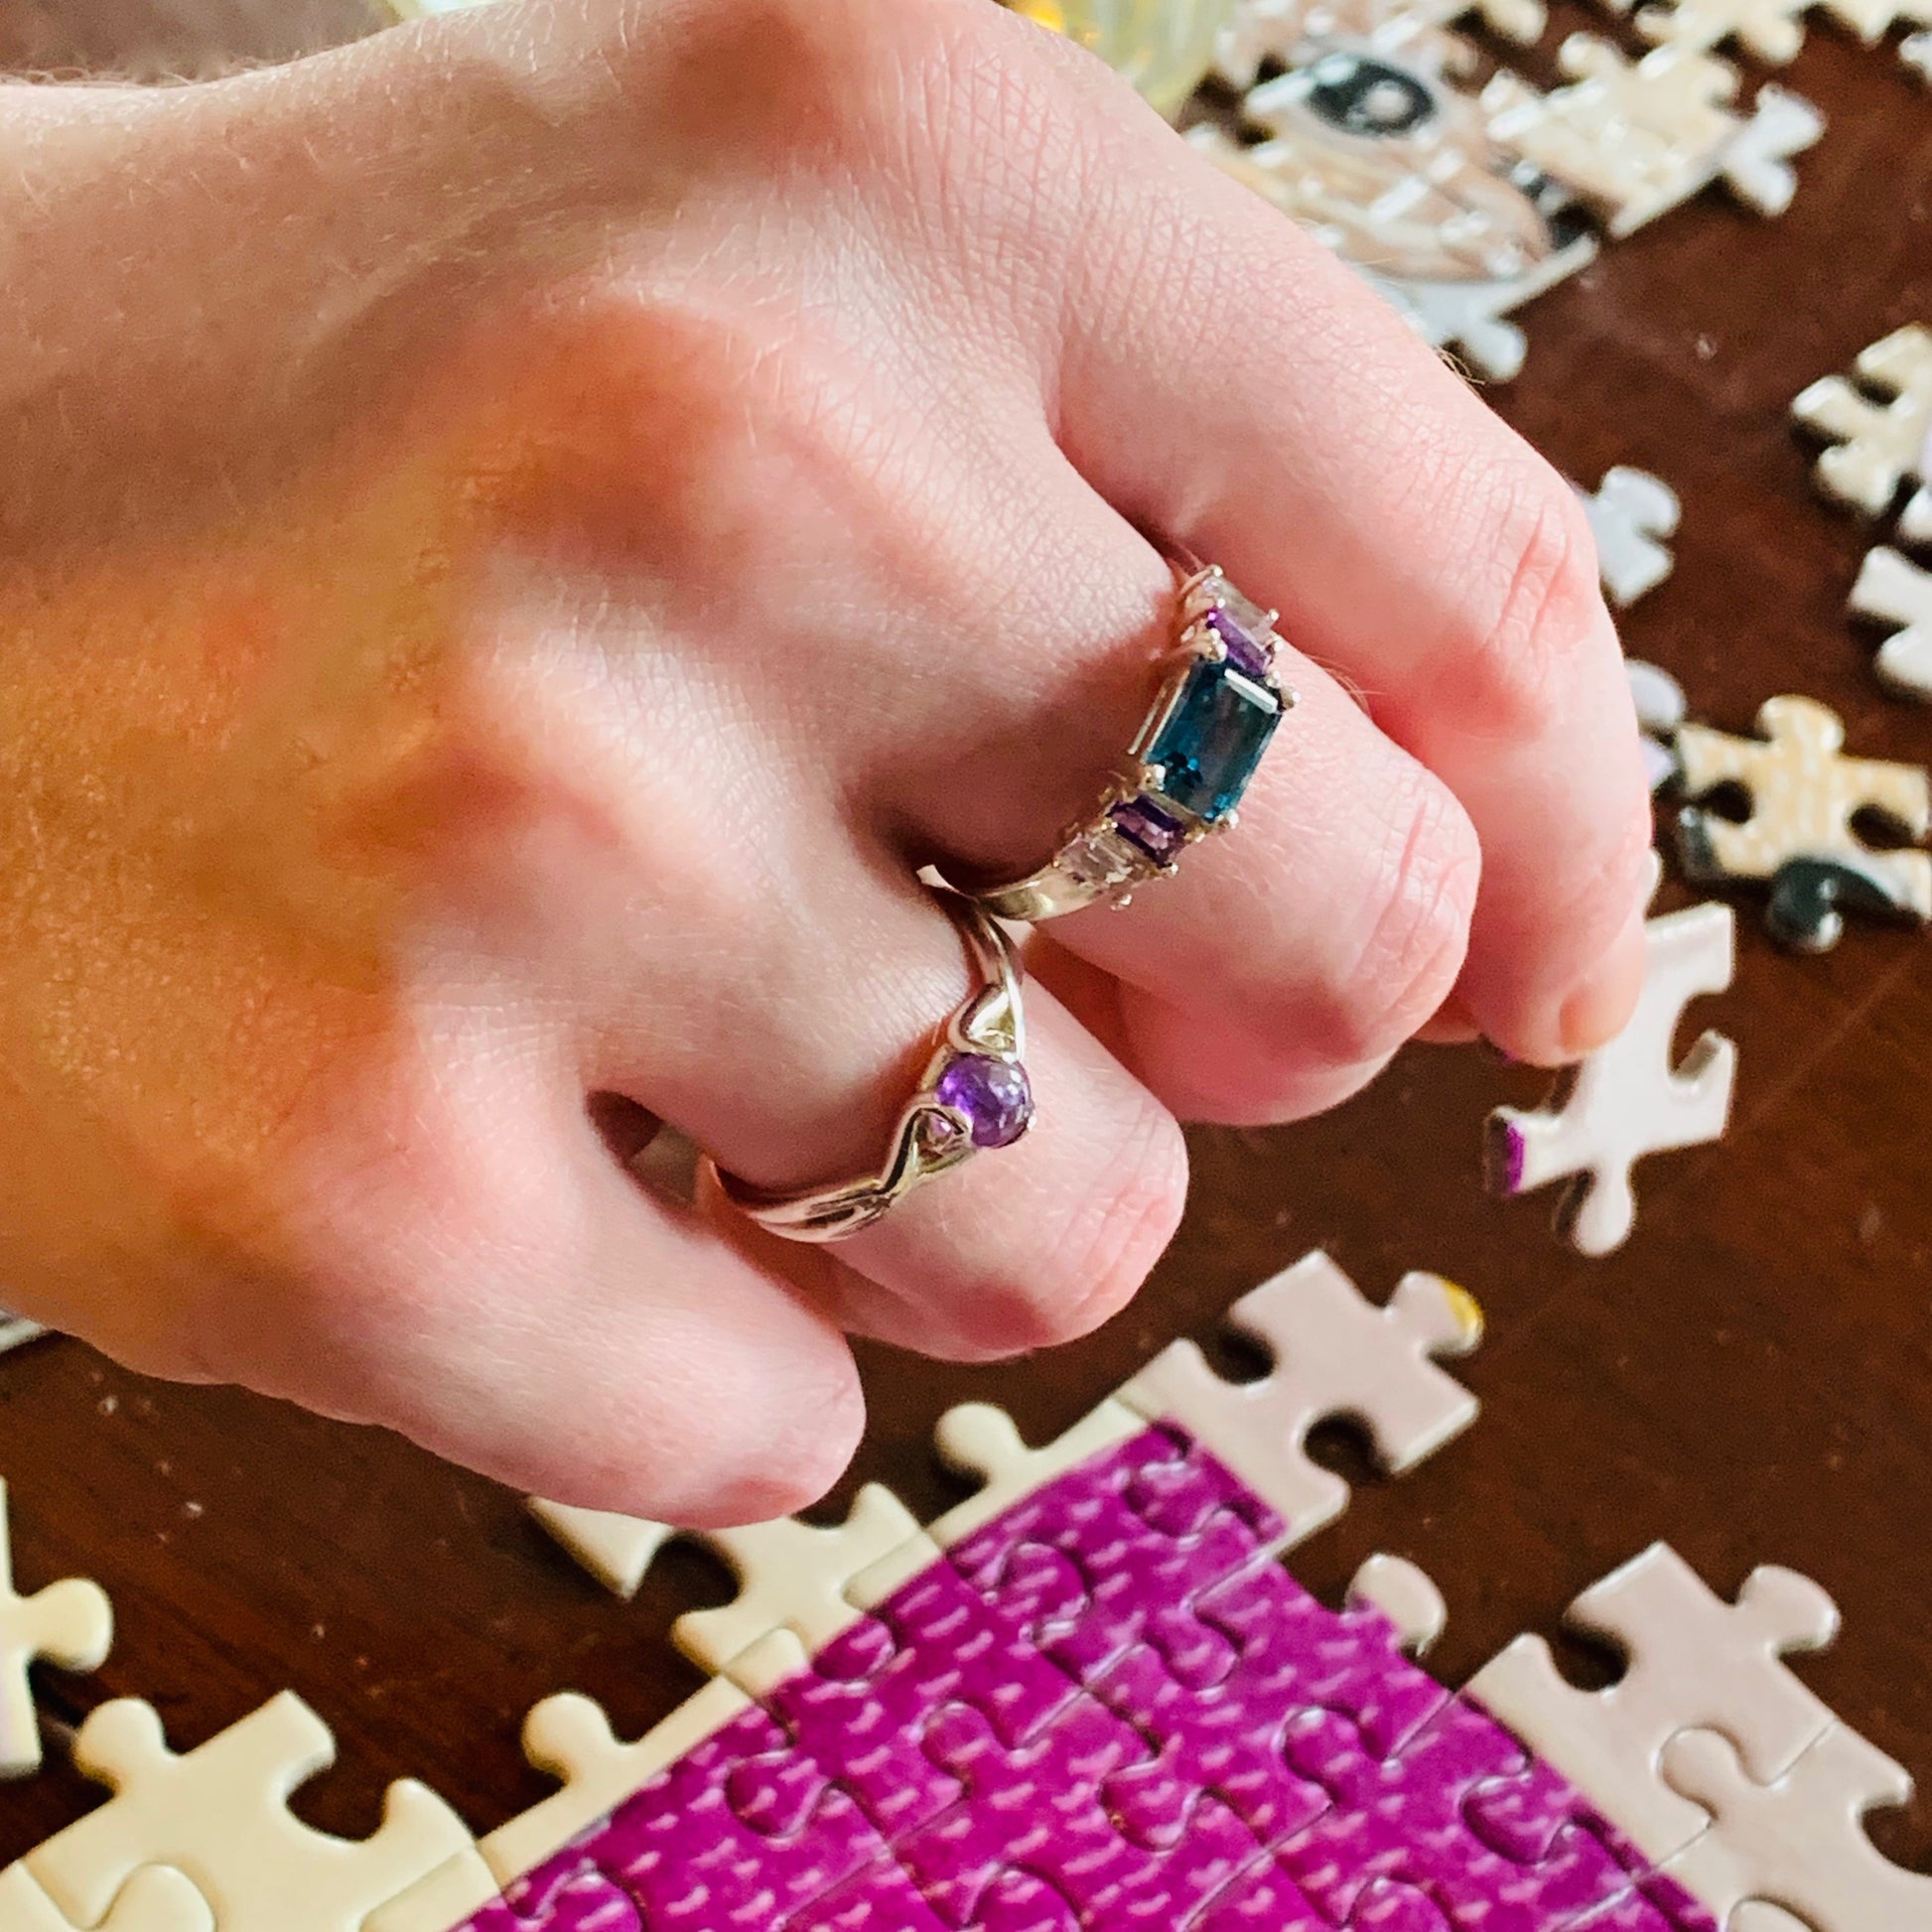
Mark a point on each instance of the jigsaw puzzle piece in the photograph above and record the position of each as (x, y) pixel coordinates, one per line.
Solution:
(16, 1331)
(1880, 424)
(1805, 794)
(978, 1440)
(154, 1899)
(1085, 1573)
(1627, 1100)
(1772, 29)
(1694, 1662)
(1630, 515)
(1460, 1814)
(1335, 1354)
(1661, 708)
(881, 1898)
(68, 1624)
(1038, 1807)
(617, 1550)
(220, 1814)
(1798, 1842)
(1915, 49)
(1896, 592)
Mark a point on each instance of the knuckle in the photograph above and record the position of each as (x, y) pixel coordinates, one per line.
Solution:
(1531, 621)
(1094, 1261)
(1425, 899)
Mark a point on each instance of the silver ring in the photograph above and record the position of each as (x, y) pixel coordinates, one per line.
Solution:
(974, 1094)
(1197, 750)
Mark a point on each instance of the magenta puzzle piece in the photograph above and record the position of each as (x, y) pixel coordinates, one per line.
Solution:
(1105, 1711)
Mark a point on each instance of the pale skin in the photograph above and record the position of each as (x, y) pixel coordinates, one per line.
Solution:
(521, 535)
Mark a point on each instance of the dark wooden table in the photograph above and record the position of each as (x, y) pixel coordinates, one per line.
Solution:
(1750, 1378)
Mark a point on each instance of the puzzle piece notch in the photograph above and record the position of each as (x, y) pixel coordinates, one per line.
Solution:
(1630, 514)
(154, 1899)
(1632, 139)
(1880, 422)
(1628, 1099)
(1692, 1661)
(68, 1624)
(1335, 1354)
(219, 1814)
(1798, 1842)
(1895, 591)
(1804, 796)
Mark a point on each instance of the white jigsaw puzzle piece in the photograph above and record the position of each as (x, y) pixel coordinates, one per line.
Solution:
(1630, 515)
(790, 1574)
(1916, 51)
(1881, 441)
(1660, 707)
(154, 1899)
(1895, 591)
(16, 1330)
(1335, 1354)
(220, 1814)
(571, 1738)
(617, 1550)
(68, 1624)
(1474, 318)
(977, 1438)
(1628, 1099)
(1798, 1842)
(1692, 1661)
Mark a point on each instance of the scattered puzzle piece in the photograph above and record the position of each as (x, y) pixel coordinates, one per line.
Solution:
(1799, 1842)
(1472, 318)
(1692, 1661)
(15, 1330)
(617, 1550)
(1264, 32)
(1633, 139)
(155, 1899)
(1897, 592)
(1630, 514)
(1335, 1354)
(1772, 29)
(1659, 702)
(1915, 49)
(220, 1814)
(1804, 795)
(69, 1624)
(1627, 1100)
(1879, 425)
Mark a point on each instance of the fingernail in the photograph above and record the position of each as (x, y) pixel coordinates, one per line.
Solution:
(1600, 1007)
(1452, 1025)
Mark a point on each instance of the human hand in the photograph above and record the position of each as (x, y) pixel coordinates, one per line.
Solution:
(524, 533)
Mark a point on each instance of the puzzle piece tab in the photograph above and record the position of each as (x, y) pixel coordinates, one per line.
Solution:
(1880, 425)
(220, 1816)
(1804, 795)
(1633, 139)
(1895, 591)
(1335, 1354)
(68, 1624)
(1694, 1661)
(1799, 1842)
(1630, 515)
(1627, 1100)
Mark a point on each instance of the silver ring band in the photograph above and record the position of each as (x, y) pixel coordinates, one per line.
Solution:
(973, 1095)
(1198, 747)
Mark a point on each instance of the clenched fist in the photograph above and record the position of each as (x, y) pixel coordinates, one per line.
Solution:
(522, 536)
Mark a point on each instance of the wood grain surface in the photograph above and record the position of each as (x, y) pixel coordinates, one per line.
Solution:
(1750, 1378)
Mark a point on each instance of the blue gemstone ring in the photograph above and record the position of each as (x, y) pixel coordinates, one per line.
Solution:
(1200, 745)
(974, 1096)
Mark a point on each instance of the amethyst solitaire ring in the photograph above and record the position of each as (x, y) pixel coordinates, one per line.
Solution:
(1218, 705)
(974, 1096)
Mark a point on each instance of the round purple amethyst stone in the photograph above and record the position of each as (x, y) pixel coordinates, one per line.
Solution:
(993, 1094)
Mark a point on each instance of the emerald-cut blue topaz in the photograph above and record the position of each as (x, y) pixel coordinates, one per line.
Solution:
(1212, 738)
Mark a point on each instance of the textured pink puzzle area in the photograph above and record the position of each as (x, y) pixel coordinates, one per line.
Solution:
(1108, 1711)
